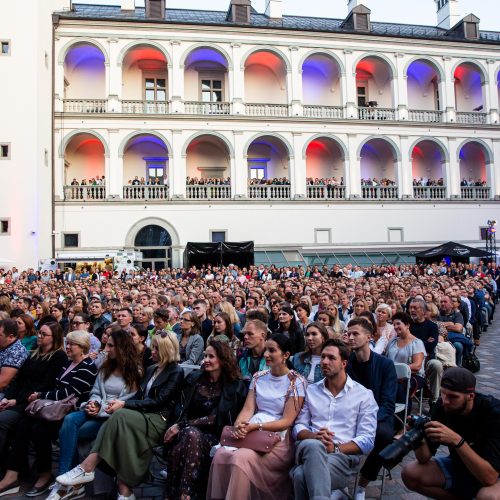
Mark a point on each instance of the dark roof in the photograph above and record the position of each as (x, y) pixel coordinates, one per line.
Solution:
(298, 23)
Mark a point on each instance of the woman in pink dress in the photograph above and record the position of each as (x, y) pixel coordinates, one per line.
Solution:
(273, 402)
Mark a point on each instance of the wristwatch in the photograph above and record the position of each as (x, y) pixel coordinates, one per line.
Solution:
(336, 448)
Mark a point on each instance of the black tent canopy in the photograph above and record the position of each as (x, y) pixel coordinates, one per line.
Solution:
(219, 254)
(455, 251)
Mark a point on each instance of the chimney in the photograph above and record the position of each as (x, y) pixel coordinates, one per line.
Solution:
(274, 9)
(467, 28)
(447, 13)
(239, 11)
(128, 5)
(354, 3)
(155, 9)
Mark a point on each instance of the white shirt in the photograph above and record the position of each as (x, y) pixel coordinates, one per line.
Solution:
(351, 415)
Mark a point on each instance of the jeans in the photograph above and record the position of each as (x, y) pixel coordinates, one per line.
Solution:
(76, 426)
(459, 352)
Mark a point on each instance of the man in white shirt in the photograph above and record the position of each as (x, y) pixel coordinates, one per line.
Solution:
(336, 425)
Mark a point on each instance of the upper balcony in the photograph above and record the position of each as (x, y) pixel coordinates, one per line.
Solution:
(264, 86)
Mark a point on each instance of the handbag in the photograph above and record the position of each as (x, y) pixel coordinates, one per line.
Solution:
(259, 440)
(471, 361)
(52, 411)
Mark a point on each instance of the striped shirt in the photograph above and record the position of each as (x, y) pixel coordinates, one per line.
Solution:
(79, 381)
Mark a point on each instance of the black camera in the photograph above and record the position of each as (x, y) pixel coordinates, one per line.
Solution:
(395, 452)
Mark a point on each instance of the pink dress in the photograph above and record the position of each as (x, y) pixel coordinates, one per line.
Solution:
(245, 474)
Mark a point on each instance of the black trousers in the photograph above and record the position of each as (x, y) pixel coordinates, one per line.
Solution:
(38, 432)
(383, 438)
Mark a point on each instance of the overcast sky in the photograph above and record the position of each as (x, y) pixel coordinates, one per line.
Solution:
(398, 11)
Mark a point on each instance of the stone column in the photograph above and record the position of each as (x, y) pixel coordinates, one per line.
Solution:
(237, 81)
(449, 87)
(454, 170)
(495, 185)
(350, 86)
(296, 82)
(115, 77)
(405, 170)
(299, 173)
(353, 169)
(113, 166)
(493, 92)
(177, 92)
(239, 185)
(178, 167)
(402, 88)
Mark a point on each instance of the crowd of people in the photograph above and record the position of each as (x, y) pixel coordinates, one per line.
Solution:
(376, 182)
(170, 359)
(275, 181)
(424, 181)
(472, 182)
(330, 181)
(94, 181)
(211, 181)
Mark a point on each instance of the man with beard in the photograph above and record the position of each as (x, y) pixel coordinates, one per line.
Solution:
(469, 424)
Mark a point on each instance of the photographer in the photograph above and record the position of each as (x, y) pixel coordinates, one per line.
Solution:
(469, 424)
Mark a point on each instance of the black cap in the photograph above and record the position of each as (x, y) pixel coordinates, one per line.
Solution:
(459, 380)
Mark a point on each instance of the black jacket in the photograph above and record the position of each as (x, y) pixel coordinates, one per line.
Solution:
(230, 404)
(164, 392)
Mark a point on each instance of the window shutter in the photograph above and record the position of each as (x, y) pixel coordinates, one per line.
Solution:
(361, 22)
(155, 9)
(470, 30)
(240, 14)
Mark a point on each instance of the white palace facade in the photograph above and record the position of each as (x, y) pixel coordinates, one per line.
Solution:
(317, 138)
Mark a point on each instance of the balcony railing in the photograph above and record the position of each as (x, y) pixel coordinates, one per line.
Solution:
(326, 192)
(475, 192)
(426, 116)
(473, 117)
(376, 114)
(379, 192)
(267, 110)
(332, 112)
(269, 192)
(147, 192)
(207, 108)
(85, 105)
(83, 193)
(146, 107)
(208, 192)
(429, 192)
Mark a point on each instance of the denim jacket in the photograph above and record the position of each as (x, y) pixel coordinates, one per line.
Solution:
(302, 364)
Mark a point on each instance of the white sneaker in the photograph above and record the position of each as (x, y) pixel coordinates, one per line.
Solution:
(123, 497)
(359, 494)
(55, 492)
(338, 495)
(74, 492)
(75, 476)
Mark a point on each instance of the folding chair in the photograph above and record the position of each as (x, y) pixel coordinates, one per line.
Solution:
(403, 372)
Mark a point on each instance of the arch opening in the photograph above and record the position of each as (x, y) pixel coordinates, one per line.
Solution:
(423, 86)
(321, 81)
(208, 161)
(84, 72)
(428, 160)
(268, 161)
(469, 80)
(474, 159)
(155, 244)
(374, 83)
(265, 78)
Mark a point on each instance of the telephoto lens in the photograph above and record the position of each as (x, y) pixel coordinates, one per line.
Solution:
(393, 454)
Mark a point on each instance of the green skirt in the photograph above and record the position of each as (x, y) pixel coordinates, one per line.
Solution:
(125, 443)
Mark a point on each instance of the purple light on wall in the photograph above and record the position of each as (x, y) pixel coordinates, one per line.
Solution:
(143, 139)
(89, 55)
(206, 55)
(421, 71)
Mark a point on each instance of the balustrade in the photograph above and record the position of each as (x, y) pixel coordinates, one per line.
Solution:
(473, 118)
(208, 192)
(272, 192)
(376, 114)
(267, 109)
(83, 193)
(429, 192)
(85, 105)
(326, 192)
(146, 107)
(332, 112)
(207, 108)
(145, 192)
(475, 192)
(426, 116)
(379, 192)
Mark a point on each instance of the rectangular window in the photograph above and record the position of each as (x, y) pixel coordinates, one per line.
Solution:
(155, 89)
(484, 233)
(71, 240)
(211, 90)
(5, 48)
(257, 173)
(5, 226)
(322, 236)
(218, 236)
(395, 234)
(4, 151)
(362, 94)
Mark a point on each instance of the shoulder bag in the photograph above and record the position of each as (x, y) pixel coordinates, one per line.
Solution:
(260, 441)
(52, 411)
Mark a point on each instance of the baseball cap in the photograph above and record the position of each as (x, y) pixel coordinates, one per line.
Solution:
(459, 380)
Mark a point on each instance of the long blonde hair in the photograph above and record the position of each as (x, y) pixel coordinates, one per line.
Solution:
(230, 311)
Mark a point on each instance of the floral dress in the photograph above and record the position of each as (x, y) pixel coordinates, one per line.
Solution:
(188, 461)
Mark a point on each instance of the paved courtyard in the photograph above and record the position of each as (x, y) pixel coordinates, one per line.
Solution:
(488, 353)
